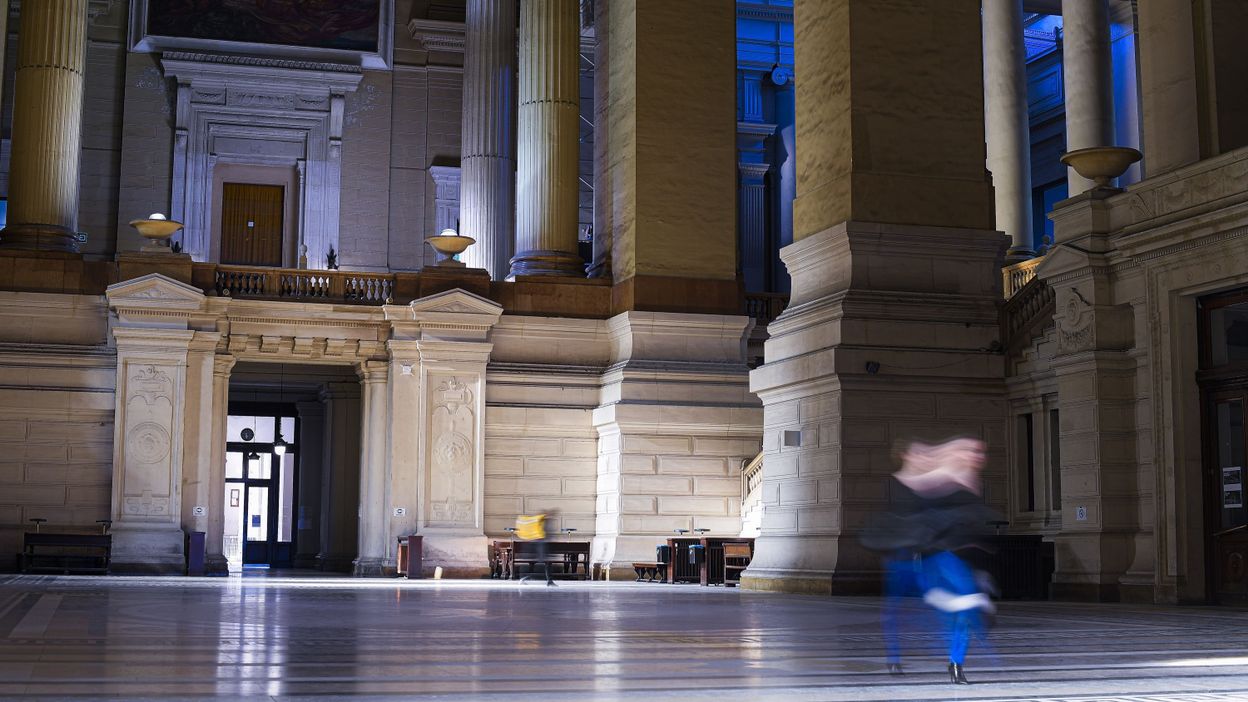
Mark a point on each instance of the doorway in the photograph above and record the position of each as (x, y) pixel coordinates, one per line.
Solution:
(1224, 386)
(252, 224)
(260, 490)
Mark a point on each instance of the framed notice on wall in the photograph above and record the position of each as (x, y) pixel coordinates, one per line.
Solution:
(1232, 487)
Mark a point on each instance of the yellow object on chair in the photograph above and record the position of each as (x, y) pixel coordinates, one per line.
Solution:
(531, 527)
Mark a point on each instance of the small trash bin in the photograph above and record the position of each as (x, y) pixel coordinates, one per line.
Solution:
(195, 553)
(697, 554)
(663, 554)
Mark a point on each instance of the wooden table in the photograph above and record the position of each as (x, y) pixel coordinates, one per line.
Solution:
(711, 570)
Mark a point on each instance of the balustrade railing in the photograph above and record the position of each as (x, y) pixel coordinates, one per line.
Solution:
(751, 475)
(295, 284)
(764, 307)
(1018, 275)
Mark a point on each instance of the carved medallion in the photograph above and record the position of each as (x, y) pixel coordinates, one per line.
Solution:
(148, 442)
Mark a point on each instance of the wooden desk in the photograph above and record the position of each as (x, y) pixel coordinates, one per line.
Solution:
(572, 556)
(66, 553)
(711, 570)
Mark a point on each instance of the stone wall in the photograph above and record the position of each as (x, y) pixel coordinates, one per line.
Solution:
(56, 414)
(540, 460)
(365, 193)
(146, 147)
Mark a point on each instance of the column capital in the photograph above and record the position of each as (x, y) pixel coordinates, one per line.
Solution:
(371, 372)
(753, 172)
(222, 364)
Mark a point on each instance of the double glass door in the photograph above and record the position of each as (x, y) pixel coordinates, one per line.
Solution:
(1229, 516)
(259, 493)
(1224, 381)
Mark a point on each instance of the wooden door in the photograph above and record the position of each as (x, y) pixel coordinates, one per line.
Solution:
(252, 224)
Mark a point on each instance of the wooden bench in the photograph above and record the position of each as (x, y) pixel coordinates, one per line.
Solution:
(650, 572)
(566, 558)
(66, 553)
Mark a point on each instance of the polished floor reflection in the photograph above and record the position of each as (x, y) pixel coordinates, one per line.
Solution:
(322, 638)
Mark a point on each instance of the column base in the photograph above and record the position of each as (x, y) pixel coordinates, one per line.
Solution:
(216, 565)
(546, 262)
(334, 563)
(305, 560)
(148, 550)
(1018, 255)
(369, 568)
(38, 237)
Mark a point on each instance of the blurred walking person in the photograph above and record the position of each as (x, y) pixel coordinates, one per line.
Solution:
(532, 527)
(936, 511)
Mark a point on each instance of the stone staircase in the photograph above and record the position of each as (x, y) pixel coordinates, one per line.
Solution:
(752, 496)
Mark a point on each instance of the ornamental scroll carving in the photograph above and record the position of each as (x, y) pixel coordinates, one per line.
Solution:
(150, 384)
(452, 453)
(1074, 326)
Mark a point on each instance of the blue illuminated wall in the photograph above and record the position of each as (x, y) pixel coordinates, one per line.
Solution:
(765, 118)
(765, 141)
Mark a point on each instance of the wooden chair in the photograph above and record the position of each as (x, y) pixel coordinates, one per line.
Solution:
(736, 558)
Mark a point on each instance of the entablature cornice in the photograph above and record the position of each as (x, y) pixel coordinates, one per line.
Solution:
(269, 76)
(438, 35)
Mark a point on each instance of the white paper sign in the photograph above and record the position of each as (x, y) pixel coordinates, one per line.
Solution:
(1232, 487)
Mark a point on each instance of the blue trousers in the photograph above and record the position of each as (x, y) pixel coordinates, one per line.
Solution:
(908, 576)
(946, 571)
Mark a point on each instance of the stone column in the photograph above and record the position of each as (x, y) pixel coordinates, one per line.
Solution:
(198, 486)
(215, 563)
(374, 452)
(437, 428)
(1006, 121)
(752, 224)
(311, 460)
(1087, 76)
(601, 265)
(161, 376)
(892, 204)
(671, 156)
(488, 151)
(47, 127)
(340, 477)
(548, 151)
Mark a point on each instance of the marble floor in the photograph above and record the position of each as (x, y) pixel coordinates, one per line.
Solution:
(301, 638)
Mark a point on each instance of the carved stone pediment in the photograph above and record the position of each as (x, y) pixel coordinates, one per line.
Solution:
(451, 315)
(154, 301)
(155, 291)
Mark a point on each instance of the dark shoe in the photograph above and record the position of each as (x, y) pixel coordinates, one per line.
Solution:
(550, 583)
(956, 676)
(895, 669)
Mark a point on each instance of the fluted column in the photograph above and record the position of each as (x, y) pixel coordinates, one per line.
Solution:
(546, 176)
(1087, 77)
(752, 223)
(1008, 131)
(601, 265)
(373, 454)
(488, 154)
(47, 126)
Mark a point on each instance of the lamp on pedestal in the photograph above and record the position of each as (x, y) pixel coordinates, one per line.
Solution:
(448, 245)
(157, 229)
(1101, 164)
